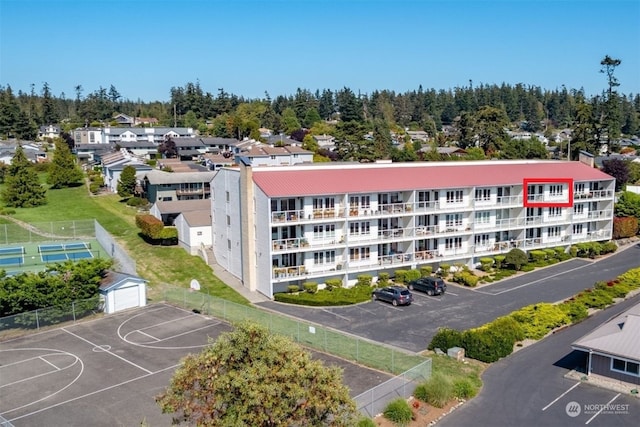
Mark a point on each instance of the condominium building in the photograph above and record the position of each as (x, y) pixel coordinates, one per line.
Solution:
(279, 226)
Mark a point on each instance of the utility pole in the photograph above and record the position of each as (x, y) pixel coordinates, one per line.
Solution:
(175, 117)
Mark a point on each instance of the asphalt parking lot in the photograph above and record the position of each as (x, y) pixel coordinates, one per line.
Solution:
(412, 327)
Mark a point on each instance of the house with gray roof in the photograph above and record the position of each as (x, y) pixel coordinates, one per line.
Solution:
(48, 132)
(165, 186)
(614, 347)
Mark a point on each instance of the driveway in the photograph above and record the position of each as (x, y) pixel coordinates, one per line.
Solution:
(412, 327)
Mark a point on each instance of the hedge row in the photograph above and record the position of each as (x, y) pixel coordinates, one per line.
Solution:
(327, 296)
(496, 339)
(149, 226)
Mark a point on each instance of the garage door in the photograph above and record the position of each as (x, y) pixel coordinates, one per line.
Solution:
(126, 297)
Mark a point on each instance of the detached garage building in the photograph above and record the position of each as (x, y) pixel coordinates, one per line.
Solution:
(121, 291)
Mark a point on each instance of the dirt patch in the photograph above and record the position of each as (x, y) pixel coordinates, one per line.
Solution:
(423, 414)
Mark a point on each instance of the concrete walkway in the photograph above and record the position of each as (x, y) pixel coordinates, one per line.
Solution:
(233, 282)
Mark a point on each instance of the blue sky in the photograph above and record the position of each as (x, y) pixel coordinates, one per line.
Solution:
(145, 47)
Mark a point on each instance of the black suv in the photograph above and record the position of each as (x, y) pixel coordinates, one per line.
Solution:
(430, 285)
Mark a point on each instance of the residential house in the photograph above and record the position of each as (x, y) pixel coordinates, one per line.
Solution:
(30, 150)
(613, 348)
(170, 186)
(114, 163)
(267, 155)
(48, 132)
(418, 135)
(327, 142)
(194, 230)
(167, 212)
(118, 135)
(123, 120)
(280, 226)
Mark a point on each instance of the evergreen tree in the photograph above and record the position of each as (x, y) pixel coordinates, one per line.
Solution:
(127, 182)
(64, 172)
(23, 189)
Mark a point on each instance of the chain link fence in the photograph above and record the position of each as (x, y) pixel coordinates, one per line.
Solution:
(11, 233)
(36, 319)
(373, 401)
(360, 350)
(125, 263)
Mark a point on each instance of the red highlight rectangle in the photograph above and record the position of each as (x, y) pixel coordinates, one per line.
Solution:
(547, 204)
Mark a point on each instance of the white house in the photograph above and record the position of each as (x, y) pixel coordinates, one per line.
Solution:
(194, 230)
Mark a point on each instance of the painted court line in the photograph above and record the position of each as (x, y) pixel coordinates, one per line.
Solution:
(46, 361)
(168, 321)
(144, 333)
(560, 397)
(601, 409)
(92, 393)
(188, 332)
(107, 351)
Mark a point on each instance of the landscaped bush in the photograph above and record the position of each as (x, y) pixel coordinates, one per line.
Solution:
(334, 297)
(509, 327)
(292, 288)
(499, 260)
(168, 236)
(516, 258)
(527, 268)
(412, 274)
(624, 227)
(436, 391)
(486, 343)
(575, 310)
(486, 264)
(463, 389)
(538, 255)
(383, 279)
(366, 422)
(443, 271)
(311, 287)
(466, 278)
(398, 411)
(137, 201)
(331, 284)
(594, 298)
(539, 319)
(446, 338)
(426, 271)
(364, 280)
(400, 276)
(609, 247)
(149, 225)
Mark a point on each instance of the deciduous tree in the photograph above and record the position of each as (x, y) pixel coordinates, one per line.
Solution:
(619, 169)
(250, 377)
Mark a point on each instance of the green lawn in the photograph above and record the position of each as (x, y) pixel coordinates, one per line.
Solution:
(162, 266)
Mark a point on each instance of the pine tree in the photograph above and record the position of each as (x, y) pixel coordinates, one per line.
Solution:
(64, 172)
(23, 189)
(127, 182)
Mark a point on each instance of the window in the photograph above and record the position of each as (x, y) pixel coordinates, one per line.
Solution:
(579, 188)
(555, 190)
(227, 196)
(483, 194)
(553, 231)
(199, 233)
(453, 220)
(454, 196)
(359, 228)
(453, 243)
(555, 211)
(229, 244)
(577, 228)
(323, 203)
(625, 366)
(357, 254)
(483, 217)
(327, 257)
(228, 220)
(578, 209)
(482, 240)
(324, 231)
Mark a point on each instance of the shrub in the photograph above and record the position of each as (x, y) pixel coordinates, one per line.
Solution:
(437, 391)
(575, 310)
(499, 260)
(538, 319)
(168, 236)
(609, 247)
(364, 280)
(486, 264)
(366, 422)
(527, 268)
(466, 278)
(292, 288)
(398, 411)
(311, 287)
(323, 298)
(94, 188)
(400, 276)
(550, 253)
(426, 271)
(516, 258)
(412, 274)
(331, 284)
(137, 201)
(486, 344)
(573, 251)
(537, 255)
(509, 327)
(149, 225)
(383, 279)
(597, 298)
(559, 251)
(463, 389)
(446, 338)
(625, 227)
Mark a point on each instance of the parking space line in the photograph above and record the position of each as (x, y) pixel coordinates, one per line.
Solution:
(560, 397)
(451, 293)
(602, 408)
(335, 314)
(541, 279)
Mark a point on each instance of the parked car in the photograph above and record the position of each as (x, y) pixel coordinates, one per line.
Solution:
(396, 295)
(430, 285)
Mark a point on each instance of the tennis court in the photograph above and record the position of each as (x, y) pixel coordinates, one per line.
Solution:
(17, 250)
(11, 261)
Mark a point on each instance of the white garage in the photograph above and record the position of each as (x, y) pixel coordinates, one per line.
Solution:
(122, 291)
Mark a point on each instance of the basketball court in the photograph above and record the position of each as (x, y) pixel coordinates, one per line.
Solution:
(108, 371)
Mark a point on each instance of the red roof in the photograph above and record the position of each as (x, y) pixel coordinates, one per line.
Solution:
(376, 178)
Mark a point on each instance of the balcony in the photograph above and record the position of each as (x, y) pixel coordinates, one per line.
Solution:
(288, 272)
(509, 201)
(604, 214)
(595, 194)
(288, 244)
(287, 216)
